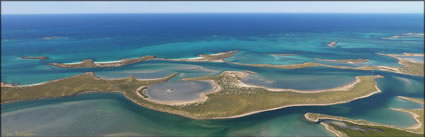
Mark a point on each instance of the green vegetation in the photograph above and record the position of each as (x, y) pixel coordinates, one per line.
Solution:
(373, 131)
(232, 100)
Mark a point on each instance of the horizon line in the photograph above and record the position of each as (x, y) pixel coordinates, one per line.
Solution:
(221, 13)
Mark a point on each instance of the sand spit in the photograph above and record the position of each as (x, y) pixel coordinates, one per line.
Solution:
(349, 61)
(218, 57)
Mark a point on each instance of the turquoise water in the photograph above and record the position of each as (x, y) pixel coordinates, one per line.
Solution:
(104, 38)
(413, 58)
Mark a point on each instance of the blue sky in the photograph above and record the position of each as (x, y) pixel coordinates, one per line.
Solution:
(70, 7)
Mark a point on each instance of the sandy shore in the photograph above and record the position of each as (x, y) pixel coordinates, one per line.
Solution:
(332, 130)
(340, 88)
(412, 99)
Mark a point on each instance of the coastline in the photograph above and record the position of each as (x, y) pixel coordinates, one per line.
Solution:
(333, 130)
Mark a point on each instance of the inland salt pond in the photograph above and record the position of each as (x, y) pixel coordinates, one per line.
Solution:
(177, 90)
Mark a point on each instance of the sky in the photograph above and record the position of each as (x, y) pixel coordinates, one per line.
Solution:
(81, 7)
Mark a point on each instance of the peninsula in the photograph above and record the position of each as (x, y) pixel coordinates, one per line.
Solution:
(89, 63)
(228, 100)
(35, 57)
(341, 126)
(407, 67)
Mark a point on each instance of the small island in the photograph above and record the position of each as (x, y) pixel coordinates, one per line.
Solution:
(34, 57)
(89, 63)
(332, 44)
(229, 98)
(343, 127)
(54, 37)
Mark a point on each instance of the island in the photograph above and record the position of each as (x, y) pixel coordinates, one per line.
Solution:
(35, 57)
(349, 61)
(229, 98)
(89, 63)
(332, 44)
(343, 127)
(407, 67)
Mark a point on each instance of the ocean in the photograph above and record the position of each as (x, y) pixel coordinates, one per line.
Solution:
(111, 37)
